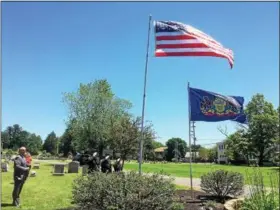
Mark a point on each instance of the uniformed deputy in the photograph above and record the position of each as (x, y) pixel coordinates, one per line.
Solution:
(93, 163)
(106, 166)
(118, 165)
(20, 171)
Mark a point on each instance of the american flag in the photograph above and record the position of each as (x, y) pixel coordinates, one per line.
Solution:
(178, 39)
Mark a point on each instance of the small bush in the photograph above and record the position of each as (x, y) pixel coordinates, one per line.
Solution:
(253, 162)
(222, 183)
(122, 191)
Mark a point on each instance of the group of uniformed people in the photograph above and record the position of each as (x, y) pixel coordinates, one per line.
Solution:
(95, 164)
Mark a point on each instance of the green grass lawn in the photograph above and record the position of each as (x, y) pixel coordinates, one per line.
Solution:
(48, 192)
(183, 169)
(43, 192)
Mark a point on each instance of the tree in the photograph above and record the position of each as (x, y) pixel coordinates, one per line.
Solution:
(51, 143)
(125, 136)
(92, 109)
(34, 144)
(14, 137)
(238, 146)
(157, 144)
(66, 141)
(263, 127)
(257, 139)
(204, 153)
(172, 145)
(213, 153)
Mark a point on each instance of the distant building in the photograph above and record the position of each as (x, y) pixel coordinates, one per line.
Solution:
(194, 154)
(221, 147)
(160, 152)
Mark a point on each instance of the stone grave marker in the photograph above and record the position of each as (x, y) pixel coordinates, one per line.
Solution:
(85, 170)
(107, 151)
(73, 167)
(58, 169)
(4, 167)
(36, 165)
(117, 155)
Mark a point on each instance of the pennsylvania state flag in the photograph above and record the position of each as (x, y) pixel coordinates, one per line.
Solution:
(213, 107)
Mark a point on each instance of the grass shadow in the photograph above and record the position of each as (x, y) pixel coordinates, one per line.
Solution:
(6, 204)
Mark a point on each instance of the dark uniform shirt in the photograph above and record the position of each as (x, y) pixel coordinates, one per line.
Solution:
(20, 167)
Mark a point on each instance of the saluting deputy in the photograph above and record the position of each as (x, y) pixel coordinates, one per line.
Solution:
(93, 163)
(118, 165)
(106, 166)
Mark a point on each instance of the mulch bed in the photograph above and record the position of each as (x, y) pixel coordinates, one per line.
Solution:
(200, 198)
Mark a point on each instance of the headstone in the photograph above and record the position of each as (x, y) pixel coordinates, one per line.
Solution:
(117, 155)
(107, 152)
(73, 167)
(58, 169)
(36, 165)
(85, 170)
(4, 167)
(33, 173)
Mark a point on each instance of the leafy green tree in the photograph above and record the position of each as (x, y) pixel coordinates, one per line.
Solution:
(125, 136)
(34, 144)
(14, 137)
(92, 109)
(204, 153)
(172, 145)
(5, 138)
(263, 127)
(157, 144)
(51, 143)
(238, 146)
(66, 142)
(213, 153)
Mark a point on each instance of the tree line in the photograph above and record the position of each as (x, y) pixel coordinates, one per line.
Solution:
(99, 120)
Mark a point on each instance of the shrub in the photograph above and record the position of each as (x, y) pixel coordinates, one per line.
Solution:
(222, 183)
(123, 191)
(253, 162)
(262, 198)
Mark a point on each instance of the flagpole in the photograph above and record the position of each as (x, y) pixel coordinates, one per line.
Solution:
(144, 97)
(190, 148)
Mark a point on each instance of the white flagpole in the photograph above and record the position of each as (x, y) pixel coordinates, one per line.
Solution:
(190, 148)
(144, 97)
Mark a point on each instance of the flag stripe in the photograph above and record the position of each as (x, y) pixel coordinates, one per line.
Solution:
(204, 48)
(174, 37)
(187, 45)
(192, 52)
(179, 42)
(178, 39)
(186, 41)
(210, 54)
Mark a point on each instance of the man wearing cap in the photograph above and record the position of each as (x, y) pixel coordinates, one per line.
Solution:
(20, 171)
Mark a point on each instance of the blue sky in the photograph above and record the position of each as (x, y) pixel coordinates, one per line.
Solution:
(51, 47)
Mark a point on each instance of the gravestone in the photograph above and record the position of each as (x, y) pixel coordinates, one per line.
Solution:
(4, 167)
(117, 155)
(85, 170)
(107, 152)
(73, 167)
(58, 169)
(36, 165)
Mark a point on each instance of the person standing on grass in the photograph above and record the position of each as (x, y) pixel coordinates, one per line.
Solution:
(28, 159)
(20, 171)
